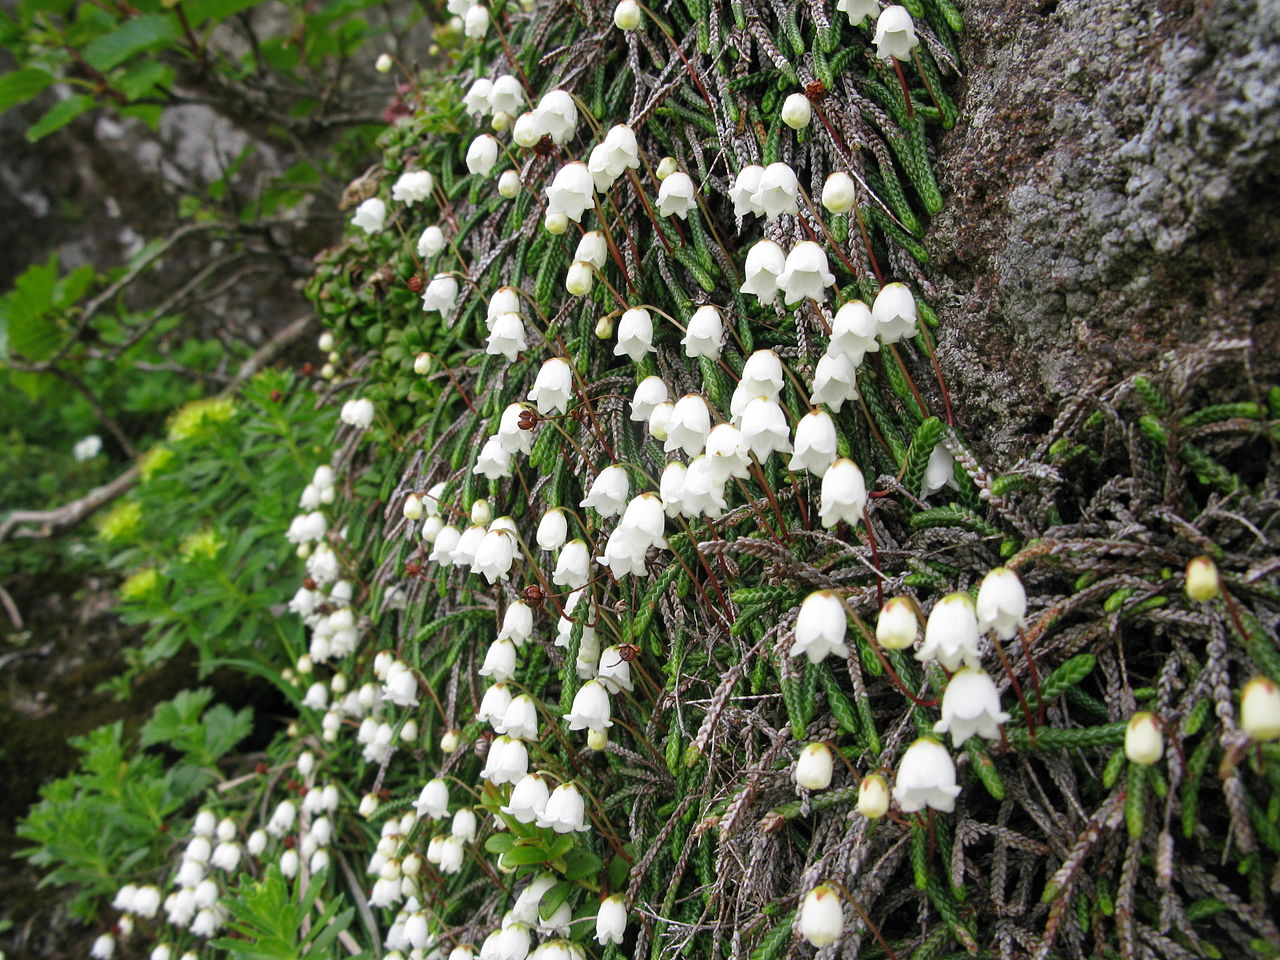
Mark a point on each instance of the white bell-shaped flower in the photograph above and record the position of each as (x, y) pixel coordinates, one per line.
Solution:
(611, 920)
(506, 337)
(894, 309)
(820, 627)
(528, 798)
(527, 131)
(844, 494)
(660, 419)
(764, 428)
(676, 196)
(443, 547)
(951, 633)
(853, 332)
(401, 685)
(521, 719)
(591, 708)
(1002, 603)
(553, 386)
(820, 919)
(572, 565)
(557, 115)
(572, 192)
(506, 95)
(778, 191)
(704, 332)
(689, 425)
(412, 186)
(859, 10)
(493, 705)
(895, 34)
(939, 472)
(644, 519)
(743, 191)
(592, 249)
(613, 671)
(493, 461)
(431, 241)
(494, 556)
(476, 99)
(624, 554)
(517, 623)
(650, 392)
(476, 22)
(622, 150)
(609, 491)
(815, 443)
(507, 762)
(464, 824)
(482, 154)
(441, 294)
(635, 334)
(926, 778)
(565, 810)
(834, 381)
(703, 494)
(671, 487)
(512, 438)
(970, 705)
(499, 661)
(552, 529)
(727, 453)
(806, 274)
(762, 375)
(371, 215)
(765, 263)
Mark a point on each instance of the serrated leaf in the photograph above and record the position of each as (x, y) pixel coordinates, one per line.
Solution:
(59, 115)
(130, 38)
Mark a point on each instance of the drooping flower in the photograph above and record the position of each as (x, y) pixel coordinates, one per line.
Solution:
(526, 131)
(839, 192)
(506, 337)
(553, 386)
(528, 798)
(565, 810)
(521, 719)
(762, 376)
(676, 196)
(834, 381)
(689, 425)
(507, 762)
(494, 461)
(894, 309)
(939, 472)
(609, 491)
(412, 186)
(611, 918)
(727, 453)
(494, 703)
(844, 494)
(494, 556)
(591, 708)
(859, 10)
(635, 334)
(926, 778)
(765, 262)
(743, 191)
(441, 294)
(650, 392)
(572, 192)
(820, 627)
(815, 443)
(704, 332)
(482, 154)
(1002, 603)
(592, 249)
(778, 191)
(552, 529)
(476, 22)
(703, 493)
(627, 16)
(895, 34)
(431, 242)
(557, 116)
(506, 95)
(509, 184)
(764, 428)
(370, 215)
(951, 633)
(357, 413)
(1203, 583)
(970, 705)
(897, 626)
(805, 274)
(499, 661)
(853, 332)
(572, 565)
(1260, 709)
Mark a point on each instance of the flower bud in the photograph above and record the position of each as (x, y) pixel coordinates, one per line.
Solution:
(305, 665)
(500, 121)
(897, 626)
(326, 342)
(481, 513)
(422, 364)
(814, 767)
(666, 167)
(383, 64)
(578, 279)
(409, 732)
(368, 804)
(627, 15)
(873, 797)
(449, 742)
(413, 507)
(327, 372)
(604, 327)
(597, 739)
(796, 111)
(509, 184)
(556, 223)
(1260, 709)
(1202, 580)
(839, 192)
(1143, 741)
(820, 919)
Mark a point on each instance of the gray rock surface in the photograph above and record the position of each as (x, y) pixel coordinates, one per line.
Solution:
(1111, 195)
